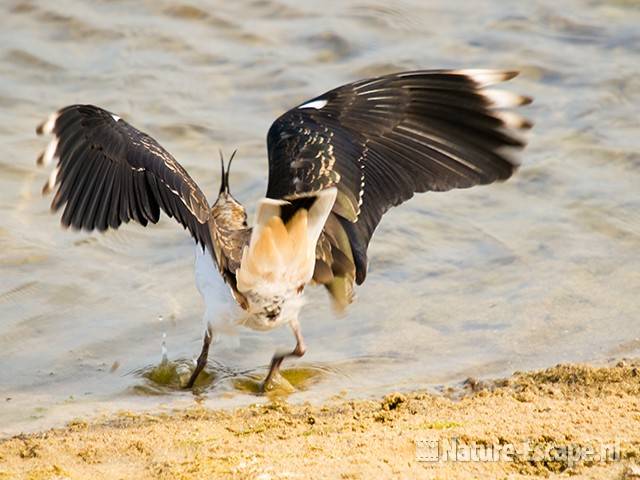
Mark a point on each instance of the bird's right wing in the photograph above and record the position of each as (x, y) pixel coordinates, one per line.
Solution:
(108, 172)
(379, 141)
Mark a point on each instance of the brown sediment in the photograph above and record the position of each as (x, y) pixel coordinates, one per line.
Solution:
(565, 405)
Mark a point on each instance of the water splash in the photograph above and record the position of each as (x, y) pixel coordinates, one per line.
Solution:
(163, 345)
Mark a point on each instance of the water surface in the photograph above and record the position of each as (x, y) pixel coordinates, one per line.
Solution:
(539, 270)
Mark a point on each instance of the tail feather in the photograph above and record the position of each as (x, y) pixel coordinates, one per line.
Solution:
(279, 256)
(267, 209)
(297, 230)
(281, 238)
(265, 253)
(319, 212)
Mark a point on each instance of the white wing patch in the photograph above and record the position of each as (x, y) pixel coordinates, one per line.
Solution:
(47, 126)
(51, 182)
(512, 120)
(484, 77)
(49, 152)
(503, 98)
(317, 104)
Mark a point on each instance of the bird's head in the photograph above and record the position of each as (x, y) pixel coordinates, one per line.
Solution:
(226, 204)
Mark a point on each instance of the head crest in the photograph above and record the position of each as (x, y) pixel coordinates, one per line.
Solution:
(224, 179)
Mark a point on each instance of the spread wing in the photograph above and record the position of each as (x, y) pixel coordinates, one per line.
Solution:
(380, 141)
(108, 173)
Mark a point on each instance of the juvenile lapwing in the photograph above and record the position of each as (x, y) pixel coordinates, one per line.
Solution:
(337, 163)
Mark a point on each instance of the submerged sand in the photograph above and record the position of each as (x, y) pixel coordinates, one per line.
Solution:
(569, 405)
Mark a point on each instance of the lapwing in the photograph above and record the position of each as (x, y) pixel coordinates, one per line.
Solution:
(337, 163)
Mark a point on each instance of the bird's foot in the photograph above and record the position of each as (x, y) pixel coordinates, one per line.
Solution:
(278, 384)
(202, 360)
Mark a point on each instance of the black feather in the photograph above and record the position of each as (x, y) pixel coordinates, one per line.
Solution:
(110, 172)
(105, 203)
(95, 196)
(381, 140)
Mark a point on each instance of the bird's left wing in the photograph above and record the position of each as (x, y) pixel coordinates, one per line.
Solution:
(379, 141)
(108, 173)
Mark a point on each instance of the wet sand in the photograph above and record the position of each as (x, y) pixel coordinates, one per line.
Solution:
(573, 405)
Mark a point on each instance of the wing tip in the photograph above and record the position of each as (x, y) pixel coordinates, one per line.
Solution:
(48, 154)
(48, 125)
(526, 100)
(504, 98)
(484, 77)
(51, 181)
(66, 224)
(513, 120)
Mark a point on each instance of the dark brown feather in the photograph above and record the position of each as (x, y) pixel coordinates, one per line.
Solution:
(230, 234)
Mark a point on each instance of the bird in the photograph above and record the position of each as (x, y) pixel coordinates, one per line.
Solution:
(336, 163)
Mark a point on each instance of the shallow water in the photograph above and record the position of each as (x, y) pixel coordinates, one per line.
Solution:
(540, 270)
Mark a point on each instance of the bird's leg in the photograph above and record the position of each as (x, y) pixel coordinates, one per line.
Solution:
(277, 359)
(202, 359)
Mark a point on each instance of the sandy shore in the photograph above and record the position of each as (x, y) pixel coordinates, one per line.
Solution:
(573, 405)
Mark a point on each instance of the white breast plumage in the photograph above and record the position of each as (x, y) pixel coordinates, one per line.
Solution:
(221, 310)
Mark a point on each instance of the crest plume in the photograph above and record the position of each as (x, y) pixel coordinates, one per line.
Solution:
(224, 178)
